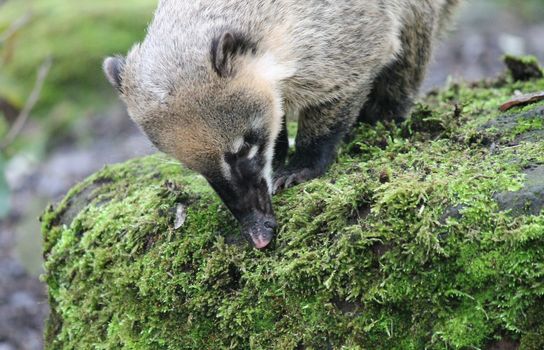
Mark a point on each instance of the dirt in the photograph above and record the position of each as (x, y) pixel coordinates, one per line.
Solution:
(23, 301)
(472, 52)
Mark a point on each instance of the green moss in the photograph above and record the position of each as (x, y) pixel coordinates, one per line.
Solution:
(401, 245)
(527, 60)
(528, 124)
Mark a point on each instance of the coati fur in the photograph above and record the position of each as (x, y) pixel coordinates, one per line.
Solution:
(213, 81)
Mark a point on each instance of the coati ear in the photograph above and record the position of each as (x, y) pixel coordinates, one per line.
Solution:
(223, 50)
(113, 68)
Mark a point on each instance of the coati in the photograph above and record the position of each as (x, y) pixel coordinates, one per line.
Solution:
(214, 80)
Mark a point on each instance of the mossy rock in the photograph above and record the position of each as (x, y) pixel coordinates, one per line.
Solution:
(406, 243)
(523, 68)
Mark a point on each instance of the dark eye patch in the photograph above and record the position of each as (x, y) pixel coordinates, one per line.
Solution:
(231, 158)
(244, 151)
(251, 139)
(256, 137)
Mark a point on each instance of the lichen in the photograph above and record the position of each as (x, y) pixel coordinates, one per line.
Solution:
(401, 245)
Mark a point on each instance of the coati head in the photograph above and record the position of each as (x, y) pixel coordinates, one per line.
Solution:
(217, 109)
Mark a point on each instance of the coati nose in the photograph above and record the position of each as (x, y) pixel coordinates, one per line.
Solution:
(262, 234)
(261, 243)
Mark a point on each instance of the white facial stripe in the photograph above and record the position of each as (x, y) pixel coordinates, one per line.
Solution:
(275, 125)
(226, 170)
(267, 169)
(253, 152)
(237, 145)
(267, 175)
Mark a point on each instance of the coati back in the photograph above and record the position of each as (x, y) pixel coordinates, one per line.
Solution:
(213, 80)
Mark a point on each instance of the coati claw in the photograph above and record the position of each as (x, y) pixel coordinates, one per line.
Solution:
(288, 178)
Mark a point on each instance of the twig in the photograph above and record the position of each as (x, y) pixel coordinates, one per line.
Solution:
(15, 26)
(522, 100)
(22, 118)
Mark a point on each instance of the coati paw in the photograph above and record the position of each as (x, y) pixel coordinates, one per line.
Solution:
(286, 178)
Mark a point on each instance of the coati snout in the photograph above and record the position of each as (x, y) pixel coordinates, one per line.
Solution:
(214, 80)
(244, 186)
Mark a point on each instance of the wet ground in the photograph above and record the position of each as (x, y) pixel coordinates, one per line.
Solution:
(472, 52)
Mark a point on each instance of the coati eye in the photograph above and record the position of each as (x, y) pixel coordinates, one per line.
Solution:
(247, 151)
(252, 137)
(257, 139)
(244, 150)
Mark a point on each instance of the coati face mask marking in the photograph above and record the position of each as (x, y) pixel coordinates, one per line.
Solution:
(241, 181)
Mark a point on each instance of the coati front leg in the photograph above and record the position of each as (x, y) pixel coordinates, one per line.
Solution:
(320, 130)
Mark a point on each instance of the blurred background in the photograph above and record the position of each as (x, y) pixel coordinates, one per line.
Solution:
(60, 121)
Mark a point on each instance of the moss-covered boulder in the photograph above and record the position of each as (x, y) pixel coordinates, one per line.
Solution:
(426, 235)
